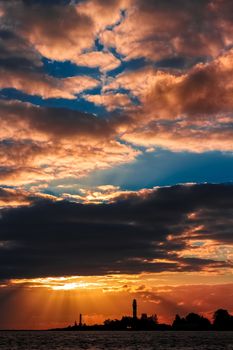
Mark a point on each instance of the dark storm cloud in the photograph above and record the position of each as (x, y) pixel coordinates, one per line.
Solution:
(62, 238)
(16, 53)
(18, 59)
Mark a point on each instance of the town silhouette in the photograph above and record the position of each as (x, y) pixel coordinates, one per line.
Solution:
(222, 321)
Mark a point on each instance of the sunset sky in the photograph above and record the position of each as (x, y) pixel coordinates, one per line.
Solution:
(116, 140)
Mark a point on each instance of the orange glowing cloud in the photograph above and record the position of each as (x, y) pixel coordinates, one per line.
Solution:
(103, 13)
(65, 32)
(42, 144)
(57, 32)
(111, 101)
(155, 30)
(15, 197)
(176, 110)
(103, 194)
(208, 249)
(46, 86)
(60, 160)
(104, 60)
(22, 69)
(179, 109)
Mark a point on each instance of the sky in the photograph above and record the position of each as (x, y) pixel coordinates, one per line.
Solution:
(116, 159)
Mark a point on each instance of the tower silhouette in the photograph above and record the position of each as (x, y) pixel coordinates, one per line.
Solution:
(134, 308)
(80, 320)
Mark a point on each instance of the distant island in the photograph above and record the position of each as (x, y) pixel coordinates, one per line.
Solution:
(222, 321)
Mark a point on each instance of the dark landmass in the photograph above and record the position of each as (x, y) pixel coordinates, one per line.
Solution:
(222, 321)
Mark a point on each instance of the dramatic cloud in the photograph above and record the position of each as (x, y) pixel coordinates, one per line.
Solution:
(86, 87)
(104, 13)
(178, 110)
(98, 195)
(63, 32)
(21, 68)
(16, 197)
(111, 101)
(56, 31)
(148, 231)
(105, 60)
(46, 86)
(153, 30)
(158, 29)
(48, 143)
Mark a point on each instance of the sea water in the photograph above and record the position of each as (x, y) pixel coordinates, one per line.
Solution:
(36, 340)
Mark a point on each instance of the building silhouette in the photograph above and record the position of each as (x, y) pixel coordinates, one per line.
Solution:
(144, 316)
(135, 309)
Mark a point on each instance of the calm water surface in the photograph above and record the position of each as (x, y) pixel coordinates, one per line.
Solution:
(116, 340)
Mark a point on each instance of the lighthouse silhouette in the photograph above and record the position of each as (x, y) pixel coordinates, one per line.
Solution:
(134, 309)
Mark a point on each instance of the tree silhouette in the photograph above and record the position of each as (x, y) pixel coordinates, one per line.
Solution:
(178, 323)
(191, 322)
(222, 320)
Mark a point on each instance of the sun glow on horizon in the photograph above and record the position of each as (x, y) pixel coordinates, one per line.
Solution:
(129, 282)
(57, 301)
